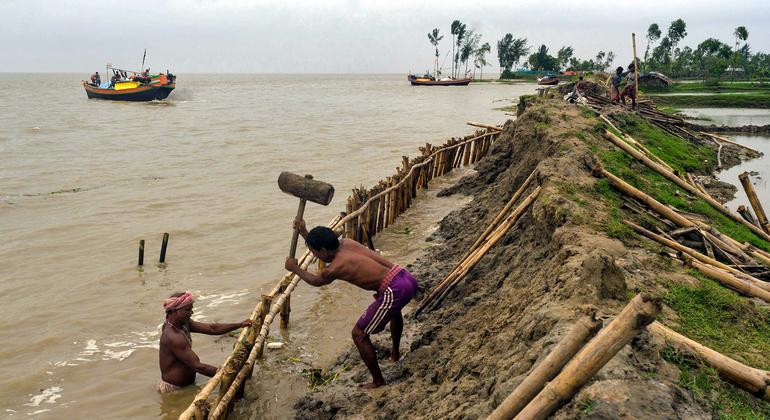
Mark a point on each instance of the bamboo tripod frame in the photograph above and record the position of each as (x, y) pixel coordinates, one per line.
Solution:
(367, 214)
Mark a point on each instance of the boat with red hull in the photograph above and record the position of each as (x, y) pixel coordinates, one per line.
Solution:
(429, 80)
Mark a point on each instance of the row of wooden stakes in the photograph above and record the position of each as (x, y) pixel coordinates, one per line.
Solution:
(368, 213)
(394, 195)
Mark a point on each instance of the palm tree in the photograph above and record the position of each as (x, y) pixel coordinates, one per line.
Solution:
(461, 33)
(481, 59)
(469, 47)
(653, 34)
(434, 39)
(455, 30)
(741, 34)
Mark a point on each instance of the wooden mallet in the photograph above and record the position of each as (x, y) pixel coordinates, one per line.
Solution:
(306, 189)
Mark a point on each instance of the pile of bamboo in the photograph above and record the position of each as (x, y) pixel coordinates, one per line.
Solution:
(575, 360)
(368, 212)
(493, 233)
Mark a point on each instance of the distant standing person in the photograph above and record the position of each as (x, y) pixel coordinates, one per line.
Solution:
(178, 362)
(630, 89)
(615, 82)
(352, 262)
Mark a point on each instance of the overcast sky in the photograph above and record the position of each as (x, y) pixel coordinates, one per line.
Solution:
(335, 36)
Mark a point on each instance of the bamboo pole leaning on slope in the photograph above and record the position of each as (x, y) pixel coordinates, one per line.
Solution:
(726, 140)
(707, 231)
(585, 328)
(697, 255)
(480, 240)
(753, 380)
(682, 184)
(754, 200)
(640, 312)
(742, 286)
(476, 256)
(746, 214)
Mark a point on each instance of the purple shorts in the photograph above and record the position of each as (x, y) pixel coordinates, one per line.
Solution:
(396, 290)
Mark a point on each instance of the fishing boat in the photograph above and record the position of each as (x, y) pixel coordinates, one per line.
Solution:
(136, 87)
(548, 80)
(429, 80)
(130, 85)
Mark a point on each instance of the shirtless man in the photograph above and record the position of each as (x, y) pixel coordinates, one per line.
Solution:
(178, 363)
(352, 262)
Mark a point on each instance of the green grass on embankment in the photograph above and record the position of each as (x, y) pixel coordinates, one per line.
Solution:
(724, 100)
(680, 155)
(721, 87)
(728, 323)
(704, 311)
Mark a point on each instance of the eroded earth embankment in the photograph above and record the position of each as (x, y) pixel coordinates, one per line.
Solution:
(569, 254)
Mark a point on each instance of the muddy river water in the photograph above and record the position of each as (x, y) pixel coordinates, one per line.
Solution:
(82, 181)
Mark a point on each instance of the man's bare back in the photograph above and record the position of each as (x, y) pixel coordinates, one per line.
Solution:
(358, 265)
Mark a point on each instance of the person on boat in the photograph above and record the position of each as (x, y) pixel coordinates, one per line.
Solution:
(630, 87)
(615, 81)
(98, 81)
(178, 362)
(114, 79)
(350, 261)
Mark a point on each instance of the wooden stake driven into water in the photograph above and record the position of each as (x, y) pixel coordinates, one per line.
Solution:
(581, 332)
(640, 312)
(163, 247)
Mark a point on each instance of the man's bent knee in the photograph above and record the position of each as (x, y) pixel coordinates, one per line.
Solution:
(358, 334)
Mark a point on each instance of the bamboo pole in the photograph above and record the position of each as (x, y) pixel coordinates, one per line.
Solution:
(684, 185)
(753, 380)
(488, 126)
(640, 312)
(629, 190)
(481, 240)
(746, 214)
(585, 328)
(726, 140)
(742, 286)
(636, 69)
(697, 255)
(754, 200)
(474, 258)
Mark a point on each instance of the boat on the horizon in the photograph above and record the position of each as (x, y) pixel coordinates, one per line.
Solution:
(430, 80)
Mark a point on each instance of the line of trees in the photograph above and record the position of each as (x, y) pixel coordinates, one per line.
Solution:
(468, 50)
(710, 59)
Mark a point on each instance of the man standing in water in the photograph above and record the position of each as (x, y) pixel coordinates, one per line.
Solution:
(178, 363)
(352, 262)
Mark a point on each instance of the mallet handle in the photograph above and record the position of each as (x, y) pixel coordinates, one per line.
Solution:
(295, 235)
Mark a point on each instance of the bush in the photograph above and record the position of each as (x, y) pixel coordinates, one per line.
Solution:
(507, 74)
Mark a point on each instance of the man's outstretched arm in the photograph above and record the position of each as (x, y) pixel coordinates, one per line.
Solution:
(312, 279)
(216, 328)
